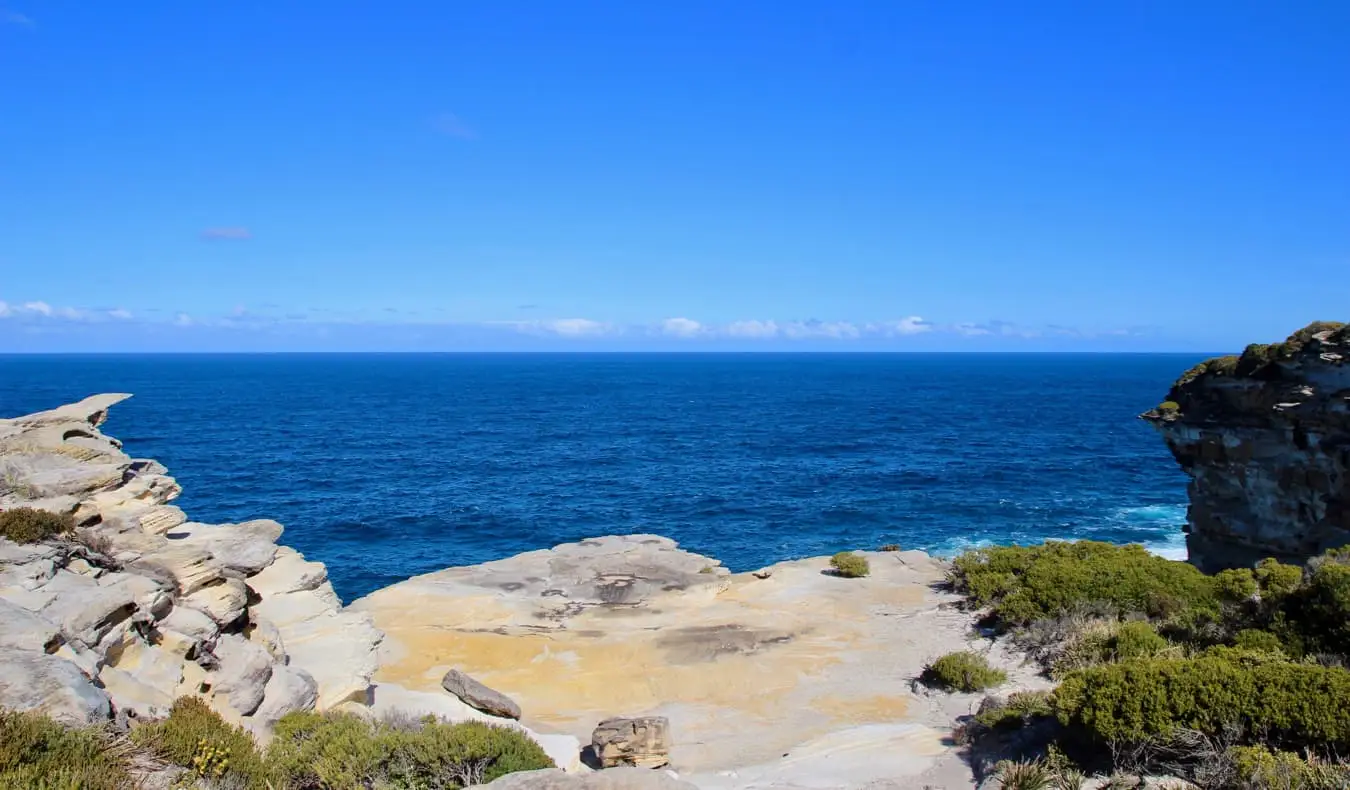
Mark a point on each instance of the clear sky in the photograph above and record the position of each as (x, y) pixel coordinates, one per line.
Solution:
(1141, 174)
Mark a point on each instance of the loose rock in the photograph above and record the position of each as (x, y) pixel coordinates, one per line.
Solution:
(478, 696)
(641, 742)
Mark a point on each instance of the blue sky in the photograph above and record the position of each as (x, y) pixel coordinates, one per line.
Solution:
(1146, 175)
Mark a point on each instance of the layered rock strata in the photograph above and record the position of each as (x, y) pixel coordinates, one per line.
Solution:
(144, 606)
(1265, 439)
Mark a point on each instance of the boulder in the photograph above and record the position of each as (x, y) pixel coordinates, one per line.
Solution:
(84, 609)
(245, 548)
(288, 690)
(243, 673)
(478, 696)
(21, 629)
(39, 681)
(642, 742)
(224, 602)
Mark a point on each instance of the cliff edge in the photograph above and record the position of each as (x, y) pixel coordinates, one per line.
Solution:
(1265, 439)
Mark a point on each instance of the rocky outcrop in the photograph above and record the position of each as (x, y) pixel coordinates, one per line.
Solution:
(641, 743)
(144, 605)
(478, 696)
(1265, 439)
(791, 678)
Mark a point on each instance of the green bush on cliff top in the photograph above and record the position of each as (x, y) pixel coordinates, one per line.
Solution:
(963, 671)
(850, 565)
(1022, 584)
(36, 752)
(30, 525)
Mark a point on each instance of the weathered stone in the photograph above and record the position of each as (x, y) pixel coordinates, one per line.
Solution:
(246, 548)
(265, 633)
(1265, 439)
(84, 609)
(191, 623)
(224, 601)
(288, 690)
(243, 673)
(478, 696)
(21, 629)
(31, 680)
(134, 698)
(640, 742)
(613, 779)
(191, 567)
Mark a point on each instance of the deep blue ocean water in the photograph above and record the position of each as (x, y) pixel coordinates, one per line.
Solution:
(385, 466)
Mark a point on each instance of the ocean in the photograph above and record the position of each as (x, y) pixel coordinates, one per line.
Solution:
(388, 465)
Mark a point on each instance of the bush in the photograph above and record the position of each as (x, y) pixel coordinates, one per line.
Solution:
(36, 752)
(1027, 583)
(345, 752)
(1294, 705)
(196, 738)
(29, 525)
(963, 671)
(890, 547)
(1259, 767)
(1256, 641)
(850, 565)
(1019, 710)
(1136, 640)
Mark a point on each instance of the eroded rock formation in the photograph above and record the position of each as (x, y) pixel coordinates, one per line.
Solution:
(1265, 438)
(146, 606)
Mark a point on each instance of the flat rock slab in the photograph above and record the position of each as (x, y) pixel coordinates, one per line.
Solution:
(52, 685)
(478, 696)
(746, 669)
(613, 779)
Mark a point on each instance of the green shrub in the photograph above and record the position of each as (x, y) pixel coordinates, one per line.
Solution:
(1027, 583)
(1277, 580)
(29, 525)
(890, 547)
(196, 738)
(37, 752)
(1257, 641)
(1023, 775)
(346, 752)
(1287, 704)
(1136, 640)
(1019, 710)
(963, 671)
(850, 565)
(1259, 767)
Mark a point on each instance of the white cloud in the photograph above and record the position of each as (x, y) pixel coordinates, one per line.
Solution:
(120, 314)
(835, 330)
(910, 325)
(755, 329)
(681, 327)
(5, 312)
(970, 330)
(182, 319)
(41, 308)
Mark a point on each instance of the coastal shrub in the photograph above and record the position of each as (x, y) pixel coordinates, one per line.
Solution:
(1284, 704)
(30, 525)
(1260, 767)
(1018, 710)
(1022, 584)
(37, 752)
(890, 547)
(962, 671)
(1024, 775)
(1136, 639)
(346, 752)
(196, 738)
(1257, 641)
(850, 565)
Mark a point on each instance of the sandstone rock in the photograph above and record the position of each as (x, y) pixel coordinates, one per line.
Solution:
(86, 610)
(37, 681)
(191, 567)
(1263, 438)
(288, 690)
(243, 674)
(613, 779)
(134, 698)
(21, 629)
(246, 548)
(478, 696)
(191, 623)
(641, 742)
(224, 601)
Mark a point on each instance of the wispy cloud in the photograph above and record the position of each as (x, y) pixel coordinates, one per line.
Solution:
(910, 325)
(452, 125)
(752, 329)
(227, 233)
(681, 327)
(120, 314)
(15, 18)
(183, 319)
(40, 308)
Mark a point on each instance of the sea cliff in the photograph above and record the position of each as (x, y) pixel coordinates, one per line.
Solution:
(1265, 439)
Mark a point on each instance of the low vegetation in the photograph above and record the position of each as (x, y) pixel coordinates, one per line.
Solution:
(310, 751)
(29, 525)
(850, 565)
(1232, 680)
(36, 752)
(963, 671)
